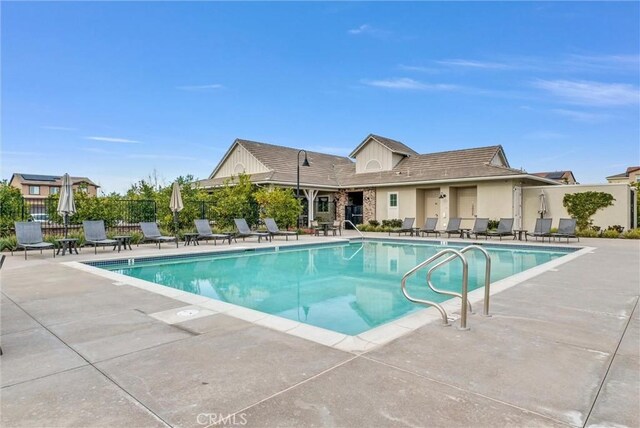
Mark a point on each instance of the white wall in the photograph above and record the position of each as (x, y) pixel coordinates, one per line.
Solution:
(617, 214)
(240, 160)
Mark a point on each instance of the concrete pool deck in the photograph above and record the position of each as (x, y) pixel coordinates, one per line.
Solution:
(561, 349)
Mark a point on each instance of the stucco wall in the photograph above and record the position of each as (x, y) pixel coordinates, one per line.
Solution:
(406, 202)
(495, 199)
(618, 214)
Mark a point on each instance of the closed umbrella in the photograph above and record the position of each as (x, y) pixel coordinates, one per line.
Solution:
(543, 204)
(176, 204)
(66, 204)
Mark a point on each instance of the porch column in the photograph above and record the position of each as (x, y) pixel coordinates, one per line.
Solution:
(311, 196)
(444, 206)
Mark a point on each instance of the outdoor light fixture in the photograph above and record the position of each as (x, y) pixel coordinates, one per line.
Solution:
(305, 163)
(442, 195)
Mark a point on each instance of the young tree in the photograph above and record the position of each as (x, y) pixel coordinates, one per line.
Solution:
(280, 204)
(235, 199)
(582, 206)
(11, 207)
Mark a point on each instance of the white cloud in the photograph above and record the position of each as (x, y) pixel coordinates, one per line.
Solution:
(406, 83)
(368, 30)
(474, 64)
(606, 62)
(582, 116)
(59, 128)
(114, 140)
(418, 68)
(161, 157)
(585, 92)
(194, 88)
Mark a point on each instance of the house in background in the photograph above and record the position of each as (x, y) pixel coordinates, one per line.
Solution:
(387, 179)
(564, 177)
(630, 176)
(37, 187)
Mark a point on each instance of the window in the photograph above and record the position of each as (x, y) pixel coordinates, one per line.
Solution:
(34, 190)
(393, 200)
(54, 190)
(323, 204)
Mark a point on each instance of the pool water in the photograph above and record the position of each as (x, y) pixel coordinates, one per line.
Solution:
(347, 287)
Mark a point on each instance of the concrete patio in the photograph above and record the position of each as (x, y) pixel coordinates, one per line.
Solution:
(561, 349)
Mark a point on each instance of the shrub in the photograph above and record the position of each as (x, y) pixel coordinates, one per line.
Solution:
(392, 223)
(617, 228)
(279, 204)
(582, 206)
(587, 233)
(609, 233)
(493, 224)
(8, 243)
(374, 223)
(631, 234)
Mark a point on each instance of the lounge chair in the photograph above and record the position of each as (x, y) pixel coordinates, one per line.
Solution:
(480, 227)
(244, 231)
(542, 229)
(454, 227)
(430, 227)
(205, 233)
(407, 226)
(95, 234)
(566, 229)
(505, 228)
(152, 233)
(272, 228)
(29, 237)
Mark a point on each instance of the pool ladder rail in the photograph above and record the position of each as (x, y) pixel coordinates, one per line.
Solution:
(354, 226)
(453, 254)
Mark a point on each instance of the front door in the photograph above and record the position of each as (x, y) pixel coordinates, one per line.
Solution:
(431, 203)
(353, 213)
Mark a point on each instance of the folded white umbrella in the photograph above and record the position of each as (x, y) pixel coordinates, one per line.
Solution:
(66, 203)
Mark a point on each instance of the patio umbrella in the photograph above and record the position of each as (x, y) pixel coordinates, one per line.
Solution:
(66, 204)
(176, 204)
(542, 210)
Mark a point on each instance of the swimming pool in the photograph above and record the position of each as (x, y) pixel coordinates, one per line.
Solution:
(347, 287)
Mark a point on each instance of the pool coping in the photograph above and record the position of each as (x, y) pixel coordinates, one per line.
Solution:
(359, 343)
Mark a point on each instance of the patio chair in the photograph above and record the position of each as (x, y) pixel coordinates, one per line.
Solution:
(480, 227)
(315, 227)
(29, 237)
(505, 228)
(152, 233)
(244, 231)
(454, 227)
(95, 234)
(566, 229)
(272, 228)
(542, 229)
(430, 227)
(407, 226)
(205, 233)
(336, 227)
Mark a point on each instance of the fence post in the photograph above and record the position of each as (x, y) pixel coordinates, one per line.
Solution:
(22, 210)
(155, 212)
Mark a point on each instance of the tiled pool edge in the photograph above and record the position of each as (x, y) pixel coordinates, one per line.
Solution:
(360, 343)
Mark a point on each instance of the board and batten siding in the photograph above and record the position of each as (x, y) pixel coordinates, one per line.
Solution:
(375, 157)
(240, 160)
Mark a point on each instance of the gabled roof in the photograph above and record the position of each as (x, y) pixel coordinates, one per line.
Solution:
(393, 145)
(49, 179)
(554, 175)
(626, 173)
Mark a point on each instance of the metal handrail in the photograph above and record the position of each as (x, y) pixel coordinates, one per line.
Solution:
(354, 226)
(443, 313)
(487, 276)
(354, 254)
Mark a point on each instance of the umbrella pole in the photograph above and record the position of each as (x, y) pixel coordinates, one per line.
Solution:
(66, 225)
(175, 222)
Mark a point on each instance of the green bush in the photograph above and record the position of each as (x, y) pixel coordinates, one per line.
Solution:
(8, 243)
(374, 223)
(493, 224)
(610, 234)
(393, 223)
(631, 234)
(587, 233)
(279, 204)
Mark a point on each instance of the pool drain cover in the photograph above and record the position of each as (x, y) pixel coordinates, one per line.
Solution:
(188, 313)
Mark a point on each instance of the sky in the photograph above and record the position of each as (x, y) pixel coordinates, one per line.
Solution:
(116, 91)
